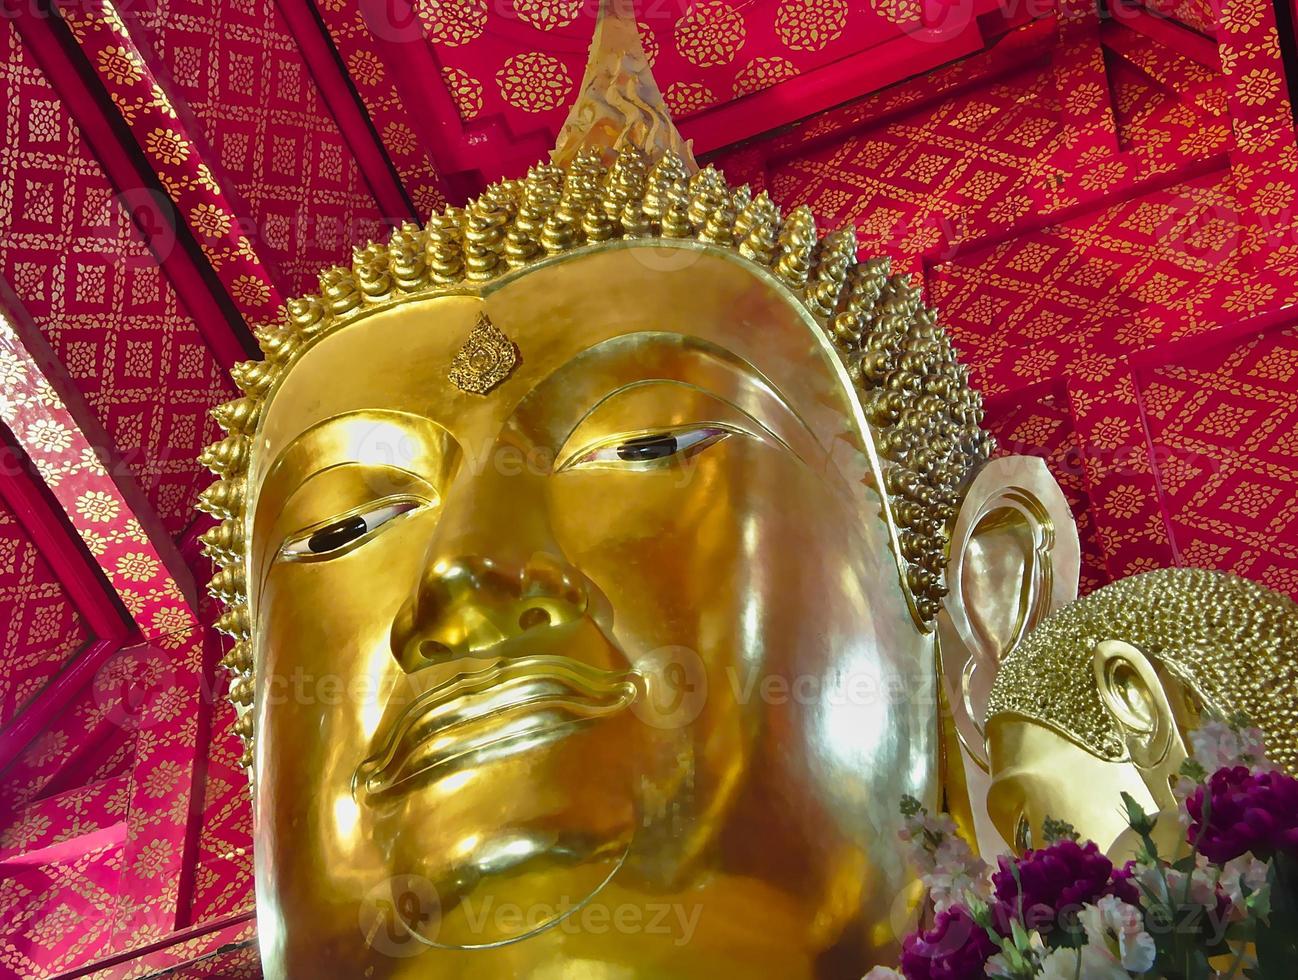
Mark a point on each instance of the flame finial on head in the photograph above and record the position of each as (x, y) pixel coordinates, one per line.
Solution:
(619, 103)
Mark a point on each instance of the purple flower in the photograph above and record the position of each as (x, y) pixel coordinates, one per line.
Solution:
(956, 948)
(1056, 882)
(1247, 811)
(1123, 884)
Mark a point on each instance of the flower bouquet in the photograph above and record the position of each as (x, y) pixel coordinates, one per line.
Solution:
(1225, 906)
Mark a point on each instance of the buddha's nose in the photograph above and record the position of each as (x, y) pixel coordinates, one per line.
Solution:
(467, 604)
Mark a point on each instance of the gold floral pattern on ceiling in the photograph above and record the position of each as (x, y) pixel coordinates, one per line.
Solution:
(682, 98)
(452, 22)
(534, 82)
(465, 90)
(649, 41)
(708, 50)
(546, 15)
(762, 73)
(710, 34)
(809, 25)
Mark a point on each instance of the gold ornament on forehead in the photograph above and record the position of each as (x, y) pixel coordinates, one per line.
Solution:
(487, 358)
(620, 170)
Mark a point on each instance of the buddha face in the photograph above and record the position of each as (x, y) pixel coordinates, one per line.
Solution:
(1039, 773)
(625, 633)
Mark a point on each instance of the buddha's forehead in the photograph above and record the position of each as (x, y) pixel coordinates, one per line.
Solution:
(673, 303)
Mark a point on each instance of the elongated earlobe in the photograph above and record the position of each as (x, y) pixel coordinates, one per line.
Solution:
(1134, 695)
(1015, 558)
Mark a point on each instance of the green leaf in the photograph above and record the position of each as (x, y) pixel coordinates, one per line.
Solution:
(1277, 937)
(1019, 934)
(1139, 821)
(1056, 830)
(1192, 769)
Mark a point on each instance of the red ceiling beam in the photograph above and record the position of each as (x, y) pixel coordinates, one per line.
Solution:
(1166, 32)
(105, 509)
(45, 523)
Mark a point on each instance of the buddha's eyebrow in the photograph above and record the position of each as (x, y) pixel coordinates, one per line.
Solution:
(559, 401)
(369, 438)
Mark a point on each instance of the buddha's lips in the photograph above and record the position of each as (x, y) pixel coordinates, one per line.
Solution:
(523, 700)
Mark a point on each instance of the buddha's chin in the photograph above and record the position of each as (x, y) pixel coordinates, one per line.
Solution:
(533, 895)
(514, 841)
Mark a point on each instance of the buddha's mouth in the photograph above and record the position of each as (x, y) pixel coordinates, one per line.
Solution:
(479, 716)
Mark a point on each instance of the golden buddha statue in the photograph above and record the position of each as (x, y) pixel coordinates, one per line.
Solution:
(586, 553)
(1099, 698)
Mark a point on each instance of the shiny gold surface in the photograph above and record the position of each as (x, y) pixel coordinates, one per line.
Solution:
(584, 552)
(1015, 558)
(598, 558)
(487, 358)
(918, 417)
(1099, 698)
(1037, 773)
(638, 683)
(619, 104)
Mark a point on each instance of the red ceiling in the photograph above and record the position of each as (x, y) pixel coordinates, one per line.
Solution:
(729, 69)
(1103, 207)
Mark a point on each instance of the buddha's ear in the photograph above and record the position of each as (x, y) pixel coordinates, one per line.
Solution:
(1134, 695)
(1015, 558)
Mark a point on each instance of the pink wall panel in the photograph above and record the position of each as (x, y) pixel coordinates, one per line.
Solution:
(920, 182)
(96, 812)
(223, 879)
(271, 141)
(53, 913)
(41, 629)
(1227, 424)
(1067, 300)
(64, 806)
(98, 295)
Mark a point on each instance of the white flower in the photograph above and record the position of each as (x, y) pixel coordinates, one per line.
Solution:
(947, 865)
(883, 973)
(1116, 931)
(1087, 962)
(1060, 964)
(1242, 872)
(1203, 884)
(1217, 745)
(956, 873)
(1182, 787)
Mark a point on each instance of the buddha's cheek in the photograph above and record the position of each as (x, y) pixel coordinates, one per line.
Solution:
(1039, 774)
(736, 585)
(325, 671)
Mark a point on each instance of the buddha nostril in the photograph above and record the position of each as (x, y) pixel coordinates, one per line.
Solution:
(533, 618)
(432, 650)
(549, 580)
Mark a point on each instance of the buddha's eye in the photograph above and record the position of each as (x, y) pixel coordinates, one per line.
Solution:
(330, 538)
(650, 447)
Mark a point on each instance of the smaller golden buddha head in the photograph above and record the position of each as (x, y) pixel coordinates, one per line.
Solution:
(1097, 700)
